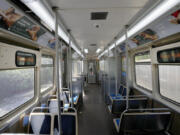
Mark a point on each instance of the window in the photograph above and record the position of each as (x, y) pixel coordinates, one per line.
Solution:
(25, 59)
(143, 70)
(123, 70)
(47, 71)
(76, 67)
(17, 87)
(169, 76)
(169, 56)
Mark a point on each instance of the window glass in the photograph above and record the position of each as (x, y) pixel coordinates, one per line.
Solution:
(143, 70)
(169, 76)
(76, 67)
(169, 56)
(25, 59)
(123, 73)
(17, 87)
(47, 72)
(46, 60)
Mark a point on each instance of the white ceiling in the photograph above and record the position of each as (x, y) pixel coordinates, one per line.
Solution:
(76, 16)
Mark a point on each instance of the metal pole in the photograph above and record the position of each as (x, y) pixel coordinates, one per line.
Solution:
(116, 69)
(127, 74)
(67, 60)
(61, 62)
(58, 86)
(70, 71)
(109, 74)
(104, 78)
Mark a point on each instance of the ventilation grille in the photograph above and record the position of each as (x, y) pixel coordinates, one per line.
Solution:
(99, 15)
(93, 45)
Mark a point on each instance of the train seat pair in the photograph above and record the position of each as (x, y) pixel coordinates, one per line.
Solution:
(143, 122)
(47, 123)
(75, 99)
(121, 92)
(135, 102)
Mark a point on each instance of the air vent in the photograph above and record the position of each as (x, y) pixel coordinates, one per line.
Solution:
(99, 15)
(92, 44)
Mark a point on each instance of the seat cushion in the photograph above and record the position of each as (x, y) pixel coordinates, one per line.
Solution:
(116, 123)
(110, 108)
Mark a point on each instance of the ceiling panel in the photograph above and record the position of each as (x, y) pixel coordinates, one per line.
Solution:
(76, 14)
(84, 4)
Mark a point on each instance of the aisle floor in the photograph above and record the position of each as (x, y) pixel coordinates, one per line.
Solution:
(94, 118)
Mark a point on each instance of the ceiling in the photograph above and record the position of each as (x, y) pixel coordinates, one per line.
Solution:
(76, 15)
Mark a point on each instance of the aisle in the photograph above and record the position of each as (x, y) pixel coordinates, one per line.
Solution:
(94, 118)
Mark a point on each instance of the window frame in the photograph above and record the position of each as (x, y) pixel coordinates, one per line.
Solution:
(19, 51)
(144, 63)
(159, 91)
(155, 63)
(48, 65)
(27, 102)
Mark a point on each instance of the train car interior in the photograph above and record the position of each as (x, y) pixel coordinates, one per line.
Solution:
(90, 67)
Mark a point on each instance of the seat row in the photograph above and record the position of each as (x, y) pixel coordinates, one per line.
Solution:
(44, 119)
(137, 119)
(143, 122)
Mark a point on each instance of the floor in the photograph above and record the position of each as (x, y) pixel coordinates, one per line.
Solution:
(94, 118)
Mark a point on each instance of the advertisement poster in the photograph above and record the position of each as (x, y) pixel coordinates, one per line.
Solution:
(144, 37)
(165, 27)
(13, 20)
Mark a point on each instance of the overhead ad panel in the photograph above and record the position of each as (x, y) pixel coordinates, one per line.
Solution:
(13, 20)
(167, 26)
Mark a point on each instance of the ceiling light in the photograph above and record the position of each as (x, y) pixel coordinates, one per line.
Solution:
(42, 12)
(98, 50)
(86, 50)
(161, 9)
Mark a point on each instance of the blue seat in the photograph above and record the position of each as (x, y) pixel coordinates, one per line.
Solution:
(68, 122)
(119, 105)
(53, 105)
(25, 121)
(117, 123)
(40, 123)
(121, 92)
(75, 99)
(143, 122)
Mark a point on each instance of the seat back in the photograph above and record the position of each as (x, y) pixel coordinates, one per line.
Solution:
(124, 92)
(118, 106)
(40, 123)
(68, 123)
(53, 105)
(121, 90)
(144, 122)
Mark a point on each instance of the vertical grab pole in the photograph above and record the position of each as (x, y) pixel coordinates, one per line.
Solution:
(67, 61)
(58, 86)
(109, 86)
(70, 70)
(104, 92)
(127, 74)
(61, 69)
(116, 68)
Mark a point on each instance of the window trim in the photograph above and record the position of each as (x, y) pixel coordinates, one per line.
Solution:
(18, 51)
(151, 91)
(164, 97)
(47, 65)
(25, 103)
(141, 63)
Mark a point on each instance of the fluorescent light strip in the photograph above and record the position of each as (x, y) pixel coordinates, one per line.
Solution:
(161, 9)
(86, 50)
(40, 10)
(98, 50)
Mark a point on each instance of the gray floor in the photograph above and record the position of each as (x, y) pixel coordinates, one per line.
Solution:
(94, 118)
